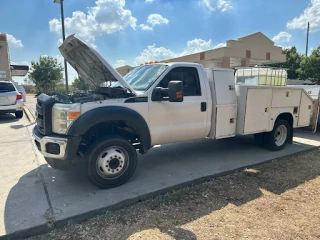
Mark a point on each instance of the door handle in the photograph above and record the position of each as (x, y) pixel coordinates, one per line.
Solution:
(203, 106)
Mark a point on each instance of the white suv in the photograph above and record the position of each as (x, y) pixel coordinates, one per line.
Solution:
(10, 99)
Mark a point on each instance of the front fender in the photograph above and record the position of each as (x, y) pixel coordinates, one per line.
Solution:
(112, 113)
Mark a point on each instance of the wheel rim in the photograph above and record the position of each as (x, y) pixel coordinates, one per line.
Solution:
(112, 162)
(280, 135)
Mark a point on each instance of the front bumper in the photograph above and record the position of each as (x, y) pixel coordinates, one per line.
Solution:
(58, 150)
(12, 108)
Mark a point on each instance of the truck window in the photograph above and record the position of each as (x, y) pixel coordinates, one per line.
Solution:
(188, 75)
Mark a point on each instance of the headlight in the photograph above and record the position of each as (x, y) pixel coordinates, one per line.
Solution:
(63, 115)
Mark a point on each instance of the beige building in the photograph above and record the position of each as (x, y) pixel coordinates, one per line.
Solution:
(254, 49)
(5, 73)
(7, 70)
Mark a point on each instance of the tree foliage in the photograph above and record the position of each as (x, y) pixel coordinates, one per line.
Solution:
(46, 74)
(310, 67)
(80, 84)
(292, 63)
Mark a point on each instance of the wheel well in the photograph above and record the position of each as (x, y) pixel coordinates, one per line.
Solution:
(119, 128)
(286, 116)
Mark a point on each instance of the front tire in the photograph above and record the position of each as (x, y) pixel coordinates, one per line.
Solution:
(277, 139)
(111, 161)
(19, 114)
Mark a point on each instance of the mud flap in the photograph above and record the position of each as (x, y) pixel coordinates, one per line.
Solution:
(315, 116)
(290, 137)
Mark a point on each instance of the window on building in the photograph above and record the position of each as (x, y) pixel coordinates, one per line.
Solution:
(188, 75)
(202, 56)
(268, 56)
(248, 54)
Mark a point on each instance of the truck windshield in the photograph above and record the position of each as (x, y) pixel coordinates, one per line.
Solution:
(141, 78)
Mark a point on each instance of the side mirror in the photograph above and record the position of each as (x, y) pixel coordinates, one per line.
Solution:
(175, 91)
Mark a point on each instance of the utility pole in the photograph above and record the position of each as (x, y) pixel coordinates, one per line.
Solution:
(63, 38)
(307, 46)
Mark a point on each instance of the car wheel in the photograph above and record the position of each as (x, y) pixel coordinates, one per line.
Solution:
(111, 161)
(19, 114)
(277, 139)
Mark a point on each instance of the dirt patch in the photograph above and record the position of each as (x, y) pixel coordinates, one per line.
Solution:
(280, 200)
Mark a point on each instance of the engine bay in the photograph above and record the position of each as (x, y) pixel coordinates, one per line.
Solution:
(99, 94)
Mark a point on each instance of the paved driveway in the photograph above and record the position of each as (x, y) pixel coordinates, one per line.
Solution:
(36, 197)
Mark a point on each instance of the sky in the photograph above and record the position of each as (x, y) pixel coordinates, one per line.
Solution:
(130, 32)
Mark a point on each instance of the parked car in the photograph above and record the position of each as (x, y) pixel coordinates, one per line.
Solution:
(11, 101)
(157, 104)
(21, 90)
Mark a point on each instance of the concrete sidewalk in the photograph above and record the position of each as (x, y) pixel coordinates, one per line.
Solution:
(23, 204)
(71, 197)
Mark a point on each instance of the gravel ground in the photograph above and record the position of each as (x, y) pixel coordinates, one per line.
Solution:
(279, 200)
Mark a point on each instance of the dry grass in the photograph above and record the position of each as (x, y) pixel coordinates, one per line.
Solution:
(280, 200)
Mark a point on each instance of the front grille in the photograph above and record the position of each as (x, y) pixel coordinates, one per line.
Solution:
(44, 113)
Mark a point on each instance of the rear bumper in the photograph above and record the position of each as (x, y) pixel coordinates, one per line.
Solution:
(58, 150)
(12, 108)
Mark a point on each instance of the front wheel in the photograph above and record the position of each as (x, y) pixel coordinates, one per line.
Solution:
(277, 139)
(111, 161)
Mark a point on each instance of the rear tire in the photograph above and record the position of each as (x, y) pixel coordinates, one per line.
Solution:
(111, 161)
(277, 139)
(19, 114)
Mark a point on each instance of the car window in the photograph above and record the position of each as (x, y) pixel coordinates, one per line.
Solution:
(189, 77)
(7, 87)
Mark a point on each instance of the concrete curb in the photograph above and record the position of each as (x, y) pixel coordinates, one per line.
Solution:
(29, 115)
(45, 228)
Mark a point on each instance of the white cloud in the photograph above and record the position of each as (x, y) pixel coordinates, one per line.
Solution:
(284, 47)
(120, 63)
(222, 5)
(220, 45)
(157, 19)
(13, 42)
(152, 53)
(310, 14)
(282, 37)
(196, 45)
(106, 17)
(146, 27)
(20, 63)
(149, 1)
(59, 42)
(154, 19)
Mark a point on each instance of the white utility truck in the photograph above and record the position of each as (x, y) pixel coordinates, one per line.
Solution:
(156, 104)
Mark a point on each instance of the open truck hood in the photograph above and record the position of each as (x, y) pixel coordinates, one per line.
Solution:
(89, 64)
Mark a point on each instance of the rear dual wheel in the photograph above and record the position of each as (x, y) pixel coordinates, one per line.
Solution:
(275, 140)
(111, 161)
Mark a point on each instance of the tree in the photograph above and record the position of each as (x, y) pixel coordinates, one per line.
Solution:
(80, 84)
(310, 67)
(27, 82)
(46, 74)
(292, 63)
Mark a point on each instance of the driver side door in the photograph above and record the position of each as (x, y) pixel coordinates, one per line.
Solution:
(179, 121)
